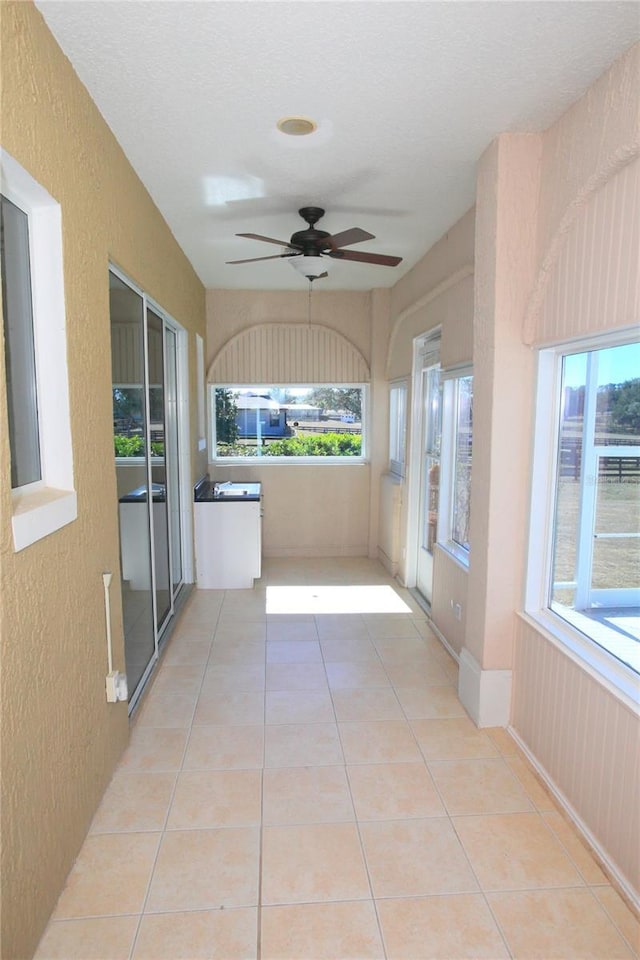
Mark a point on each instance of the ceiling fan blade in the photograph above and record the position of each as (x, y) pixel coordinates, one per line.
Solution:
(277, 256)
(380, 258)
(354, 235)
(256, 236)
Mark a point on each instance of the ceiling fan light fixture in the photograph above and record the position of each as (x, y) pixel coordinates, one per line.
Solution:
(309, 267)
(297, 126)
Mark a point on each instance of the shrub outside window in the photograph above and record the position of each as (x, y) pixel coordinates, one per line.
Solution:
(286, 421)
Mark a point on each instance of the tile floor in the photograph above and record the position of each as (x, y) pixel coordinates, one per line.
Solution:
(306, 785)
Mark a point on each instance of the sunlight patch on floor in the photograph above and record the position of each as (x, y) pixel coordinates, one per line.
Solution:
(332, 599)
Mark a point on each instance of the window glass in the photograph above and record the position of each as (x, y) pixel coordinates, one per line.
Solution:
(455, 463)
(22, 400)
(287, 421)
(595, 572)
(397, 427)
(462, 462)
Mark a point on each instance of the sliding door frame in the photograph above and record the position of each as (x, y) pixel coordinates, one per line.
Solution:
(184, 492)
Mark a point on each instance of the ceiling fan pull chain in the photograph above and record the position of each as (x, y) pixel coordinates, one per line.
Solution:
(309, 304)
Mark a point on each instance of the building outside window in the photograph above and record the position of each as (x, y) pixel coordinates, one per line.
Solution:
(288, 421)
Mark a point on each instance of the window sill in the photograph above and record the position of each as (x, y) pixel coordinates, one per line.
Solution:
(603, 666)
(39, 512)
(289, 461)
(454, 552)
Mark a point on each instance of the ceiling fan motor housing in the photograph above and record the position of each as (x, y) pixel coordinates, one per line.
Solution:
(310, 240)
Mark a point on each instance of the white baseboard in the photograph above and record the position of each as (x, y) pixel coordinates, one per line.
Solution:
(618, 878)
(485, 694)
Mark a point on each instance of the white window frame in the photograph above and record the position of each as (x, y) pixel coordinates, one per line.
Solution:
(290, 461)
(599, 662)
(449, 380)
(398, 391)
(41, 508)
(202, 418)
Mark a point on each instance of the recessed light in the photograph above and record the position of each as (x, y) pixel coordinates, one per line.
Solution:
(296, 126)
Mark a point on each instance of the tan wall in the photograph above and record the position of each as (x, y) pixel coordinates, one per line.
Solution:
(586, 740)
(60, 739)
(587, 283)
(438, 291)
(308, 510)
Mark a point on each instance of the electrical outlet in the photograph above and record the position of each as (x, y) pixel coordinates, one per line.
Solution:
(457, 609)
(116, 686)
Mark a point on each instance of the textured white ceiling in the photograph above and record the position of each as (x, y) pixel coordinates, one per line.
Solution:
(407, 95)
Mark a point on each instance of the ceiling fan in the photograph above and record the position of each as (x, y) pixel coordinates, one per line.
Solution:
(307, 248)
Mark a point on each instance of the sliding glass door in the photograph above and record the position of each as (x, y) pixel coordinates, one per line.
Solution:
(146, 441)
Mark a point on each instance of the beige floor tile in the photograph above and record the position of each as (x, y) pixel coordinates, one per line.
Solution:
(378, 741)
(225, 747)
(400, 650)
(209, 935)
(206, 870)
(618, 911)
(240, 631)
(393, 791)
(110, 876)
(503, 741)
(412, 858)
(233, 707)
(456, 738)
(336, 627)
(294, 630)
(427, 673)
(306, 795)
(515, 851)
(152, 749)
(537, 793)
(562, 924)
(430, 703)
(296, 676)
(244, 652)
(182, 652)
(216, 798)
(354, 649)
(233, 676)
(101, 938)
(247, 613)
(299, 706)
(196, 628)
(134, 802)
(167, 709)
(577, 850)
(440, 928)
(312, 863)
(302, 744)
(181, 678)
(478, 786)
(321, 931)
(293, 651)
(367, 704)
(347, 675)
(390, 627)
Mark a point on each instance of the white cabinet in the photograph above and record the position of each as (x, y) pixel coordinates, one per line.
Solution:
(228, 534)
